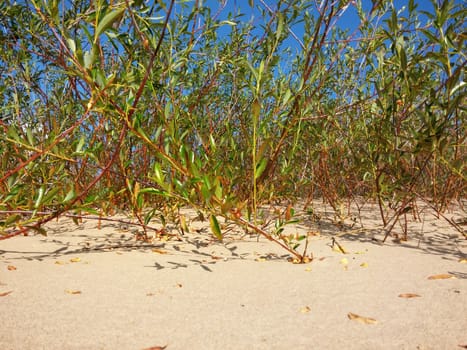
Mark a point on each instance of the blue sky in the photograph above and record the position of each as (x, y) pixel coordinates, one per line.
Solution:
(348, 20)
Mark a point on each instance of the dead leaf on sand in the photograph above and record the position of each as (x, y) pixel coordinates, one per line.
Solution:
(409, 295)
(11, 268)
(4, 294)
(361, 319)
(70, 291)
(305, 310)
(75, 260)
(313, 233)
(463, 261)
(442, 276)
(156, 348)
(160, 251)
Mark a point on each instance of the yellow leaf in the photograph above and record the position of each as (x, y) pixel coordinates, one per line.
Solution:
(361, 319)
(74, 260)
(442, 276)
(159, 251)
(58, 262)
(261, 259)
(308, 269)
(70, 291)
(463, 261)
(409, 295)
(344, 261)
(305, 310)
(364, 264)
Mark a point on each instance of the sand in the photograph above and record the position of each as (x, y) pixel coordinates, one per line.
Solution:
(87, 288)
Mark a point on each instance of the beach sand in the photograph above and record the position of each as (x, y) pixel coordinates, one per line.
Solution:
(87, 288)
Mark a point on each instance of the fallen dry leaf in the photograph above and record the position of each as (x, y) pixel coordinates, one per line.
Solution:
(463, 261)
(409, 295)
(4, 294)
(337, 247)
(442, 276)
(361, 319)
(305, 310)
(260, 259)
(69, 291)
(156, 348)
(58, 262)
(160, 251)
(74, 260)
(344, 261)
(11, 267)
(364, 264)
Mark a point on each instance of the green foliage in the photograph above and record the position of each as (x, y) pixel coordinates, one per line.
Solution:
(138, 105)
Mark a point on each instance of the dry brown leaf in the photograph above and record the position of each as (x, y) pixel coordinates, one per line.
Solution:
(74, 260)
(313, 233)
(442, 276)
(70, 291)
(339, 249)
(11, 268)
(305, 310)
(4, 294)
(361, 319)
(160, 251)
(409, 295)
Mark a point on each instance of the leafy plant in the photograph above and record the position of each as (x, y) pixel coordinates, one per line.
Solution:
(151, 106)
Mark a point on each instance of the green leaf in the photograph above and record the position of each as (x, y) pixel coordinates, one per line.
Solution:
(71, 45)
(40, 195)
(39, 230)
(215, 228)
(30, 136)
(90, 57)
(107, 22)
(11, 219)
(80, 145)
(70, 195)
(260, 166)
